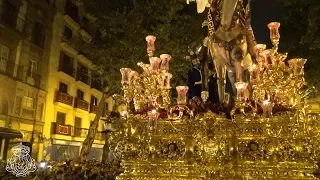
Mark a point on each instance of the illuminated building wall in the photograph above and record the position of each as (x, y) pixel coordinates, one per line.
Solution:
(73, 95)
(25, 38)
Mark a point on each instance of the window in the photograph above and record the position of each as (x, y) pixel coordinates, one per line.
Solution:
(77, 126)
(4, 56)
(72, 10)
(9, 14)
(38, 35)
(28, 106)
(33, 68)
(28, 102)
(94, 101)
(82, 73)
(67, 33)
(3, 106)
(18, 105)
(39, 112)
(80, 94)
(63, 88)
(61, 118)
(66, 64)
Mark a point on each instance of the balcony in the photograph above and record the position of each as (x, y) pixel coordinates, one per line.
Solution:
(34, 78)
(96, 84)
(93, 109)
(85, 30)
(21, 73)
(71, 10)
(80, 132)
(81, 104)
(61, 129)
(68, 70)
(63, 98)
(83, 77)
(69, 130)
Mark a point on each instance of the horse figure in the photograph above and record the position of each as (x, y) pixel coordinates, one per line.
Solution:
(230, 40)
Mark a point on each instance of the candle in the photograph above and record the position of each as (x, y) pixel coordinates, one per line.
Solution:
(150, 45)
(165, 58)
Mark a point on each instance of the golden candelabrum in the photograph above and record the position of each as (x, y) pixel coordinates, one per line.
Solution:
(166, 142)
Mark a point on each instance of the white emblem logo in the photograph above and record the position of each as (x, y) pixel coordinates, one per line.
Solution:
(21, 163)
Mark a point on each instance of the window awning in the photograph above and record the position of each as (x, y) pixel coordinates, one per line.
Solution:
(9, 133)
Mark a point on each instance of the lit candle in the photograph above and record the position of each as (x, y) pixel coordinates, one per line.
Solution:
(150, 45)
(132, 76)
(267, 58)
(125, 75)
(182, 95)
(254, 77)
(259, 48)
(164, 80)
(154, 64)
(165, 59)
(241, 88)
(153, 117)
(297, 64)
(274, 32)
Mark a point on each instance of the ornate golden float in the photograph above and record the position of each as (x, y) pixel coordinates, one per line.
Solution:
(273, 136)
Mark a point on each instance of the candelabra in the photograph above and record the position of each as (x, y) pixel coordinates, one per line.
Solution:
(272, 80)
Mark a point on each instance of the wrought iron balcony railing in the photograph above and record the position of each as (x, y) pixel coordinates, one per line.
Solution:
(81, 104)
(36, 78)
(69, 130)
(61, 129)
(96, 84)
(80, 132)
(93, 108)
(64, 98)
(19, 72)
(83, 77)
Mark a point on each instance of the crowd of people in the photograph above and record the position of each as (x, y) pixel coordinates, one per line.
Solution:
(68, 170)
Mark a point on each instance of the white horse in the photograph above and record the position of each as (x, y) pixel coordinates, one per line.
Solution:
(230, 40)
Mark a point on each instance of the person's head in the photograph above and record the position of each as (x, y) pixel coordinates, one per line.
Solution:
(196, 62)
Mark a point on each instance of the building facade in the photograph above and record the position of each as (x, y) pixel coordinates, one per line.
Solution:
(72, 94)
(25, 39)
(47, 93)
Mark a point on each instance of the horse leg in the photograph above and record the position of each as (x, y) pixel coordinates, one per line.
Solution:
(221, 79)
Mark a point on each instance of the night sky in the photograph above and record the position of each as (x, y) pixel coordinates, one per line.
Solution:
(264, 12)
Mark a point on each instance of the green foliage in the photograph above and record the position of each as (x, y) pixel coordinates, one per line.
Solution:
(126, 23)
(300, 34)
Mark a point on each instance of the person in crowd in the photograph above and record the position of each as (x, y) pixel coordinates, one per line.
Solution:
(212, 85)
(194, 75)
